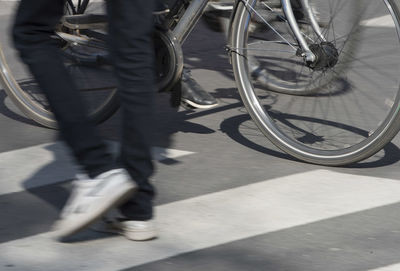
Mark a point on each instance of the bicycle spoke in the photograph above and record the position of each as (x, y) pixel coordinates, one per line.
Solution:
(269, 25)
(344, 99)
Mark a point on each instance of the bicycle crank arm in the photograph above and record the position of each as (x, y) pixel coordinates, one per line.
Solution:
(81, 40)
(85, 21)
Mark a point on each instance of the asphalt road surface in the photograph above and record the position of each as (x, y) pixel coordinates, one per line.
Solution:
(227, 198)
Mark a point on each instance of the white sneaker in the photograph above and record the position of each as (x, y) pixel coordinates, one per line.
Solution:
(134, 230)
(91, 198)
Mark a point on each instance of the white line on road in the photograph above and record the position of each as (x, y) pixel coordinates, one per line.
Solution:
(394, 267)
(50, 163)
(212, 220)
(384, 21)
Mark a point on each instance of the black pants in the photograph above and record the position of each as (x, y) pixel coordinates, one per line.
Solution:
(131, 47)
(297, 9)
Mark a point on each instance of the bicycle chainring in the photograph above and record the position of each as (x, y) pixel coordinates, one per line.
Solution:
(169, 59)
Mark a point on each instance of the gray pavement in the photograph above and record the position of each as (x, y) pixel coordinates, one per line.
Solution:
(231, 201)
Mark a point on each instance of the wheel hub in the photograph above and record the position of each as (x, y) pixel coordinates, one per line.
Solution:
(326, 56)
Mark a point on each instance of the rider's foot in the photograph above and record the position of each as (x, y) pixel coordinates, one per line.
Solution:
(193, 95)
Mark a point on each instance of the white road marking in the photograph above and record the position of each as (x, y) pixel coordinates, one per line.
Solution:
(212, 220)
(394, 267)
(7, 7)
(49, 163)
(384, 21)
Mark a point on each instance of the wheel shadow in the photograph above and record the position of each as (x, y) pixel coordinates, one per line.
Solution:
(231, 128)
(4, 110)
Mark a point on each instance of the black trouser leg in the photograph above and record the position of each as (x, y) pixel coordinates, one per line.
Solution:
(297, 9)
(131, 30)
(34, 25)
(131, 45)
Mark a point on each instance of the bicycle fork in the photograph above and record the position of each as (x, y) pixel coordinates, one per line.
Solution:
(308, 55)
(196, 8)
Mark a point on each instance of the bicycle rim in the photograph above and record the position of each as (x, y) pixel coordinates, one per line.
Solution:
(96, 84)
(353, 110)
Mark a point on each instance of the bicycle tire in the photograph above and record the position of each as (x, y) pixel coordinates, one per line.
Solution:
(348, 120)
(34, 106)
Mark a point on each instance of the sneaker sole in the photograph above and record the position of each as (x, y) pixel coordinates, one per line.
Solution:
(134, 235)
(81, 223)
(139, 235)
(192, 105)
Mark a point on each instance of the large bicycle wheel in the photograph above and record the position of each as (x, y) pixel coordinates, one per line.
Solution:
(353, 110)
(94, 80)
(269, 27)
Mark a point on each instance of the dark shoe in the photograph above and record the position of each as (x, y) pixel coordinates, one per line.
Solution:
(193, 95)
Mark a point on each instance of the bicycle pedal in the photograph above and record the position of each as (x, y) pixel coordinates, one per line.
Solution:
(85, 21)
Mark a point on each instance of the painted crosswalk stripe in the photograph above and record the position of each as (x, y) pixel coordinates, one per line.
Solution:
(394, 267)
(212, 220)
(50, 163)
(383, 21)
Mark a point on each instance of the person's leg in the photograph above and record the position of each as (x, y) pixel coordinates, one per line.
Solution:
(106, 187)
(33, 33)
(131, 38)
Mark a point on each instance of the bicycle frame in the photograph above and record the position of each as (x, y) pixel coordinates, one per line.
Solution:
(287, 9)
(193, 13)
(189, 20)
(196, 8)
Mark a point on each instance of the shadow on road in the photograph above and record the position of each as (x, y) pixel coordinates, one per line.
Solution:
(231, 126)
(4, 110)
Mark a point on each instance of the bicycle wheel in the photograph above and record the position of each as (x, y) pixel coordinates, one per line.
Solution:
(269, 25)
(94, 80)
(355, 110)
